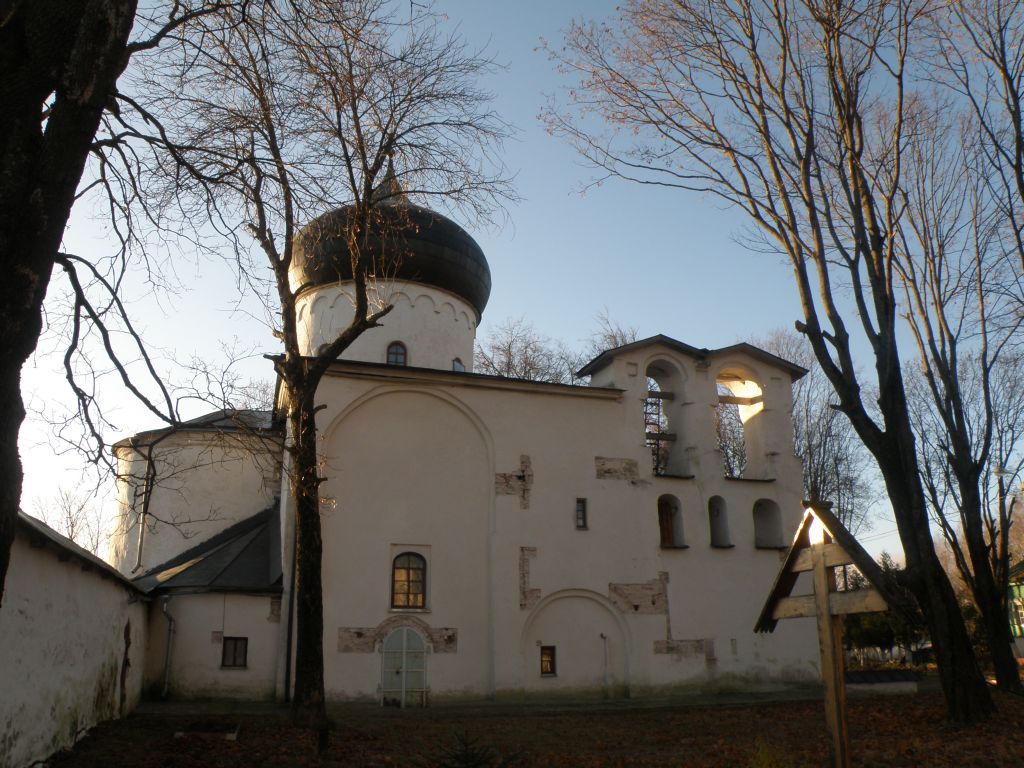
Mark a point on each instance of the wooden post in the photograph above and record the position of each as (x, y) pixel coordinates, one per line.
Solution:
(830, 641)
(820, 545)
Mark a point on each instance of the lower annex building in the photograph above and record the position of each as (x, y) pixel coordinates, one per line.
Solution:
(483, 536)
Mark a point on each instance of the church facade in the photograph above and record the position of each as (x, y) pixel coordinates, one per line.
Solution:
(483, 536)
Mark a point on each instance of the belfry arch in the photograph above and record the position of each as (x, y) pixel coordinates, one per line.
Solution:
(738, 423)
(663, 402)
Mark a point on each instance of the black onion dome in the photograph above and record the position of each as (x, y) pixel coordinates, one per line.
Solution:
(409, 242)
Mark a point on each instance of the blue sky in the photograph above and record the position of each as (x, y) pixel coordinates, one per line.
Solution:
(659, 260)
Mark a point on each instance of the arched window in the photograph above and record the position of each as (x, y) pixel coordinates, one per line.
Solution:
(457, 364)
(396, 353)
(409, 581)
(718, 522)
(767, 525)
(670, 522)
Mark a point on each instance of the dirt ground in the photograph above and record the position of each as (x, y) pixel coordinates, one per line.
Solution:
(906, 730)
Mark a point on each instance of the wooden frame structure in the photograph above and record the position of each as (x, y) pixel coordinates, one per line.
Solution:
(821, 545)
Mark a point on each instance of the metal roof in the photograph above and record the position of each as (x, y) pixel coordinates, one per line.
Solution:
(243, 558)
(222, 420)
(406, 242)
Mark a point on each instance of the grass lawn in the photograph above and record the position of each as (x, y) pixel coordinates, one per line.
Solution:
(884, 731)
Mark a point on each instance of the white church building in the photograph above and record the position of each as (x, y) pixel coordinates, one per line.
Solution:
(483, 536)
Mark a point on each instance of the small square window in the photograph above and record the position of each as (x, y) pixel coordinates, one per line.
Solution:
(581, 514)
(547, 661)
(234, 652)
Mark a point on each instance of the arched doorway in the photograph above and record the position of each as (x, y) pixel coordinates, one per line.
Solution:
(404, 669)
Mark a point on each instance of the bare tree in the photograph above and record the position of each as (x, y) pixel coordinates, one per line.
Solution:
(270, 117)
(979, 527)
(516, 350)
(836, 466)
(978, 46)
(60, 61)
(799, 113)
(957, 268)
(609, 334)
(73, 514)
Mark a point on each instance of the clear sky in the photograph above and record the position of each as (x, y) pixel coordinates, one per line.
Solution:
(662, 261)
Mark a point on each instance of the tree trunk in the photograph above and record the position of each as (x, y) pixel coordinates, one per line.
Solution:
(12, 413)
(967, 696)
(67, 55)
(21, 299)
(989, 596)
(308, 705)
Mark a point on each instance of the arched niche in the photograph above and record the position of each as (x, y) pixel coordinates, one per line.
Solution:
(768, 525)
(670, 522)
(718, 523)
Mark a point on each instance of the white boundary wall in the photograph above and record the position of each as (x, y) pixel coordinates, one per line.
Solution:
(72, 648)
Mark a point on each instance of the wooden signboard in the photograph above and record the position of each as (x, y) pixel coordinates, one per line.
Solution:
(821, 545)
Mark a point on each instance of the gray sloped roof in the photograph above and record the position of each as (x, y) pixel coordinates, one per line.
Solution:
(222, 420)
(245, 557)
(226, 418)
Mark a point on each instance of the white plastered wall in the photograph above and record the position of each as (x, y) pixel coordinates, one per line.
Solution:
(205, 483)
(201, 621)
(415, 464)
(62, 651)
(435, 326)
(425, 488)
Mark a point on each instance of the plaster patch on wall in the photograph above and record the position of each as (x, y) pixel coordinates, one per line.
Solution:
(680, 647)
(527, 597)
(649, 597)
(365, 639)
(445, 640)
(675, 647)
(356, 639)
(616, 469)
(516, 483)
